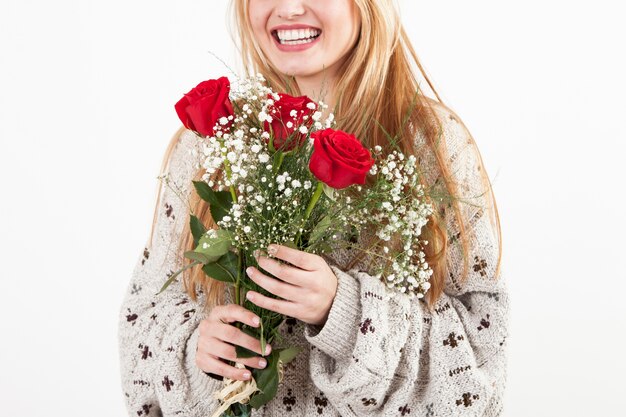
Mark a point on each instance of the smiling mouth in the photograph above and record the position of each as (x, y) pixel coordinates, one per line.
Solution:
(296, 36)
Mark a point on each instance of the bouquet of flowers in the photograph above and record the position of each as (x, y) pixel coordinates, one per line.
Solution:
(277, 173)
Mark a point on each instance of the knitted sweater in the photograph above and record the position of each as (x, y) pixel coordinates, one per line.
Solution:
(378, 354)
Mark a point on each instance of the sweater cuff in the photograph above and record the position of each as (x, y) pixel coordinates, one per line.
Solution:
(200, 384)
(337, 337)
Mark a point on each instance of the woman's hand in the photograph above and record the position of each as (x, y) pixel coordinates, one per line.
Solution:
(308, 285)
(217, 338)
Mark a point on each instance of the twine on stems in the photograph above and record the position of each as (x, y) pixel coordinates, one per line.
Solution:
(236, 391)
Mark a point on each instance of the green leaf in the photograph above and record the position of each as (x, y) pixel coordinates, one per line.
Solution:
(267, 381)
(329, 192)
(241, 410)
(219, 201)
(243, 352)
(320, 229)
(174, 275)
(286, 355)
(224, 269)
(290, 244)
(230, 261)
(250, 331)
(200, 257)
(277, 161)
(262, 339)
(216, 243)
(270, 143)
(197, 228)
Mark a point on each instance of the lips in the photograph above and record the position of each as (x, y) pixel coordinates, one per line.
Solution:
(295, 37)
(295, 34)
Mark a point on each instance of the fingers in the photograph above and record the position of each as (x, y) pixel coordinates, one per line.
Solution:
(288, 308)
(223, 350)
(304, 260)
(212, 364)
(232, 312)
(218, 340)
(233, 335)
(273, 285)
(283, 271)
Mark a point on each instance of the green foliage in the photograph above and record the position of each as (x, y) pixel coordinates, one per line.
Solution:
(329, 192)
(243, 352)
(320, 229)
(197, 228)
(266, 380)
(200, 257)
(215, 243)
(219, 201)
(287, 355)
(224, 269)
(173, 277)
(290, 244)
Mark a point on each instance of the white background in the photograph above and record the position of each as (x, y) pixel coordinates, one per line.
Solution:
(86, 110)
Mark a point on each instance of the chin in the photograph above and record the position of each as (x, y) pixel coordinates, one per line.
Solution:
(296, 70)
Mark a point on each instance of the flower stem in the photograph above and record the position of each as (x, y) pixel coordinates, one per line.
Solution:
(281, 158)
(237, 289)
(309, 209)
(232, 189)
(316, 196)
(228, 175)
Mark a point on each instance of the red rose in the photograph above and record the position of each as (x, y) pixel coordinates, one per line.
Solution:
(339, 159)
(204, 105)
(284, 126)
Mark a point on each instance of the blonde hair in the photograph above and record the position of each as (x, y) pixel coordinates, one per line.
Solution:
(378, 71)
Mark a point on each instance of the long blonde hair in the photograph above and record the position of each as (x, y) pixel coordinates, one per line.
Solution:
(379, 72)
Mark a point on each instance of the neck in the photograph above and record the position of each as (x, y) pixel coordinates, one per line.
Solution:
(318, 88)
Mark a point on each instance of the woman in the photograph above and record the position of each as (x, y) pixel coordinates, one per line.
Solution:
(364, 355)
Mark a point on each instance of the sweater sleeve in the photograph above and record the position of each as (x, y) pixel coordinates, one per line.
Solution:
(381, 354)
(157, 334)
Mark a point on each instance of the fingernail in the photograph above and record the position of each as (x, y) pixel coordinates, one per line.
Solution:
(262, 362)
(272, 249)
(256, 253)
(249, 270)
(256, 321)
(268, 348)
(249, 296)
(246, 375)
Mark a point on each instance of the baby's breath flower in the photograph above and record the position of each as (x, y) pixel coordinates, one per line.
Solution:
(260, 191)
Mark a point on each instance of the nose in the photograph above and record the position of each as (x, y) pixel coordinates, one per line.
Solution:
(288, 9)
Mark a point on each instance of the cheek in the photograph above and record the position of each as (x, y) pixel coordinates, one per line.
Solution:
(257, 30)
(258, 21)
(341, 22)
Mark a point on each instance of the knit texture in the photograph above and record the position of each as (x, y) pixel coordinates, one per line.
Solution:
(378, 354)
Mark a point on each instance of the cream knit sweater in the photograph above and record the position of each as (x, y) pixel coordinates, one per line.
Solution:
(378, 354)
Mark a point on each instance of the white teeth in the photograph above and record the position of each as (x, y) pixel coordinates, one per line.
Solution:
(297, 36)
